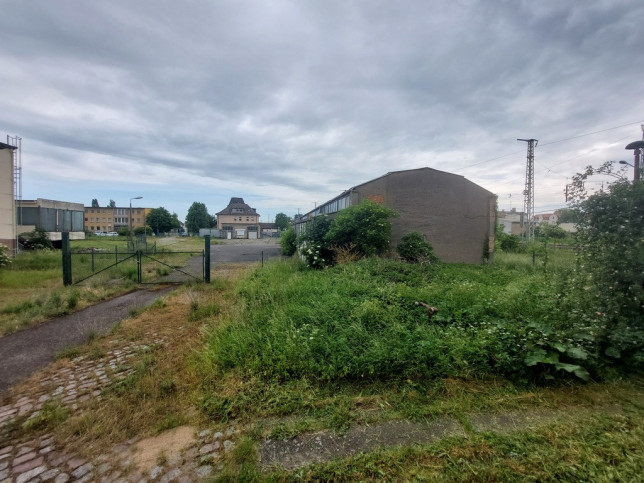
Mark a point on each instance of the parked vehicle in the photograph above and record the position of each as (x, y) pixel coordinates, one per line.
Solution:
(111, 233)
(100, 233)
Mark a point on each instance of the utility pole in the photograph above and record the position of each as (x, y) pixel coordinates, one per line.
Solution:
(528, 192)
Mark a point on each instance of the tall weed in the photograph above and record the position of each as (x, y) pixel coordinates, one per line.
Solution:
(360, 320)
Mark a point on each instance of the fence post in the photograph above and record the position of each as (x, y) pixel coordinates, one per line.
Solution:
(138, 266)
(206, 260)
(67, 259)
(92, 259)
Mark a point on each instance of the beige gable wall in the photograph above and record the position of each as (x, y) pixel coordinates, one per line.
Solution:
(7, 203)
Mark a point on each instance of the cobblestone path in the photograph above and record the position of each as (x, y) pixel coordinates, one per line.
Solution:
(38, 459)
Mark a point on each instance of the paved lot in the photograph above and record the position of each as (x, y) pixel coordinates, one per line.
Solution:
(234, 251)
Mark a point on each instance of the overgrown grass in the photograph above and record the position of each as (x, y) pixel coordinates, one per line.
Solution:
(361, 320)
(604, 448)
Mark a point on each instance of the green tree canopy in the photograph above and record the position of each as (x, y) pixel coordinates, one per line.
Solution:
(569, 215)
(112, 204)
(95, 203)
(197, 217)
(365, 226)
(282, 221)
(160, 220)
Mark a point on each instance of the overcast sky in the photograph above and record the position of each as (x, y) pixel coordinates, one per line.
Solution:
(288, 103)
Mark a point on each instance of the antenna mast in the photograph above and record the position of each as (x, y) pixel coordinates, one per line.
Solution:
(528, 192)
(17, 181)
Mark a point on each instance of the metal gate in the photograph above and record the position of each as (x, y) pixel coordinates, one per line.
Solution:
(139, 266)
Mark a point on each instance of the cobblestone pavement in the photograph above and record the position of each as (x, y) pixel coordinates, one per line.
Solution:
(36, 460)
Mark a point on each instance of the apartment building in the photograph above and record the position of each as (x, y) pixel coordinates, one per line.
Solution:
(112, 219)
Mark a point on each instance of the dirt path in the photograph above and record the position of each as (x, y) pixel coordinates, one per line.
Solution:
(26, 351)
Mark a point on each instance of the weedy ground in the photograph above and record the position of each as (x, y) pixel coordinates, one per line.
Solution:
(192, 381)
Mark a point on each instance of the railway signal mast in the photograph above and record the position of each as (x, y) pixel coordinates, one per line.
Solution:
(528, 192)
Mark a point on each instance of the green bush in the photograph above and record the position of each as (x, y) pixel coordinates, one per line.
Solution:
(545, 230)
(365, 226)
(124, 231)
(36, 240)
(414, 248)
(288, 242)
(140, 230)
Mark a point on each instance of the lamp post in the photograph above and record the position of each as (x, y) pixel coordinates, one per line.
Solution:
(637, 148)
(130, 218)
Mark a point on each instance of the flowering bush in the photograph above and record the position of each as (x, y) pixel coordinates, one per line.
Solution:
(313, 248)
(314, 255)
(4, 256)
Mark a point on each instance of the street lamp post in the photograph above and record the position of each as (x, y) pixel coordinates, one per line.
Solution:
(637, 148)
(130, 219)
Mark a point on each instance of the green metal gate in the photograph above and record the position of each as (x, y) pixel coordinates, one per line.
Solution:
(139, 266)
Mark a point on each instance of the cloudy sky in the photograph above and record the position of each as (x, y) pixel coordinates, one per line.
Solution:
(288, 103)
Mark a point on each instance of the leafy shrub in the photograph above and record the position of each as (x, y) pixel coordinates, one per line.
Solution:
(140, 230)
(124, 231)
(545, 230)
(414, 248)
(366, 226)
(288, 242)
(5, 259)
(36, 240)
(508, 242)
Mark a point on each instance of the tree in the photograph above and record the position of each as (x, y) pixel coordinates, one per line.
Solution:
(282, 221)
(160, 220)
(95, 203)
(197, 217)
(365, 226)
(288, 242)
(112, 204)
(607, 296)
(176, 224)
(568, 215)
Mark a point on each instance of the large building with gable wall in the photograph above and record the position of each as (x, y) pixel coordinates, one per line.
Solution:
(238, 220)
(454, 214)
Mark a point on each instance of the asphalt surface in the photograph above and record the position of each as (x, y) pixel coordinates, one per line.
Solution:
(26, 351)
(29, 350)
(247, 251)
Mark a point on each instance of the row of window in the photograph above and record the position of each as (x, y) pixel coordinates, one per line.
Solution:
(108, 211)
(240, 218)
(231, 228)
(333, 206)
(117, 220)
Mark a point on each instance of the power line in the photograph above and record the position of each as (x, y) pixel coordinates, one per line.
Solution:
(590, 133)
(548, 144)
